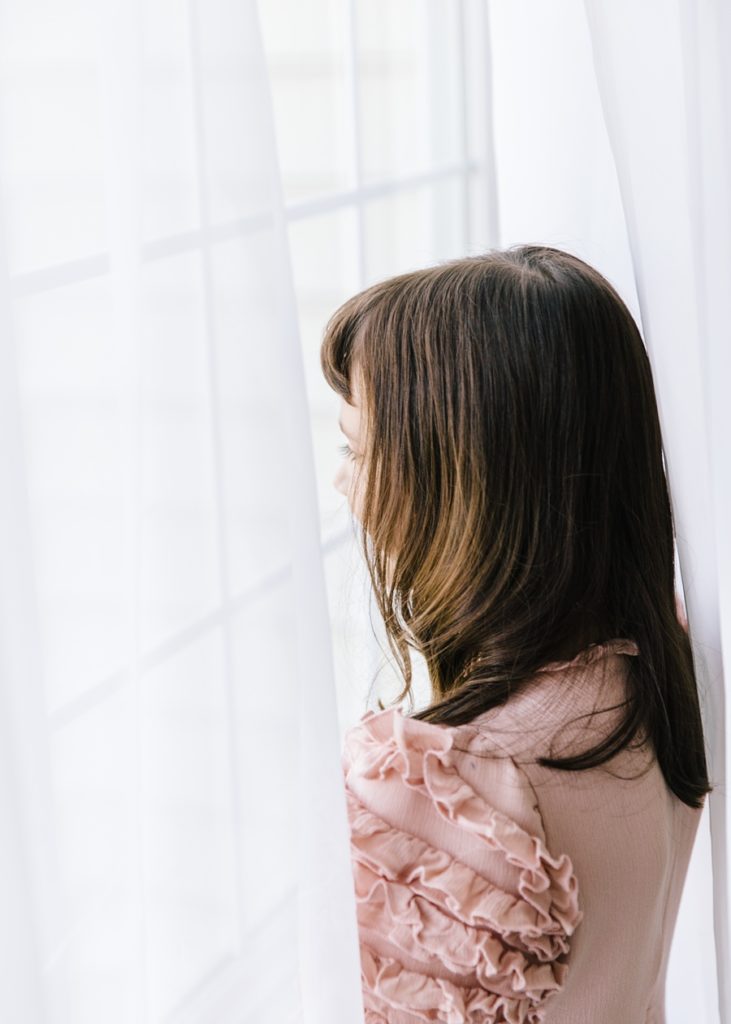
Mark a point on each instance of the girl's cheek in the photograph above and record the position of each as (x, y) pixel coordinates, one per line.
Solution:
(341, 480)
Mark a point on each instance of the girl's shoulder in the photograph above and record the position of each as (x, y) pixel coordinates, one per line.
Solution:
(464, 912)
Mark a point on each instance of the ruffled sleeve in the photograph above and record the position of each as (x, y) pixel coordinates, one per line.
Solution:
(463, 913)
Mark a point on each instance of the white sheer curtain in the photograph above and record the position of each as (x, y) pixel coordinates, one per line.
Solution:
(173, 837)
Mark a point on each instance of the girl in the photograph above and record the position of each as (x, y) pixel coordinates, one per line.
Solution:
(520, 845)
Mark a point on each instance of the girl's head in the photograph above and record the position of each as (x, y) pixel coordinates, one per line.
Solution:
(507, 470)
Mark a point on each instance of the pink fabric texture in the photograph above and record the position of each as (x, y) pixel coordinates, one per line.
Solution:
(467, 912)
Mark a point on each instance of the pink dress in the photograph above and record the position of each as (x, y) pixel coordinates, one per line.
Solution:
(490, 889)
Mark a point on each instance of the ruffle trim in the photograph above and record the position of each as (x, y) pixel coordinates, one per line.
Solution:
(507, 951)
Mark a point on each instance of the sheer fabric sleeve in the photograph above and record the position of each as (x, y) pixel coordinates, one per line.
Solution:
(463, 913)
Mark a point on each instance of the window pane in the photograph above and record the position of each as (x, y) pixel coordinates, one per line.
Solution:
(235, 100)
(305, 47)
(169, 186)
(51, 137)
(409, 87)
(247, 315)
(72, 382)
(324, 259)
(414, 228)
(179, 571)
(189, 876)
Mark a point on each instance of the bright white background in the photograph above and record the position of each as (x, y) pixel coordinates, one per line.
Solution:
(187, 192)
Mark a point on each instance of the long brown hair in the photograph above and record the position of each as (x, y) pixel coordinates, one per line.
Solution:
(515, 502)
